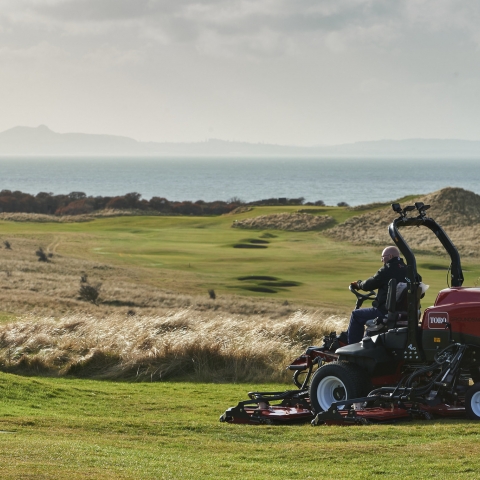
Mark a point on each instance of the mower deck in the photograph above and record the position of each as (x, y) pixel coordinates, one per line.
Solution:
(339, 415)
(258, 410)
(294, 407)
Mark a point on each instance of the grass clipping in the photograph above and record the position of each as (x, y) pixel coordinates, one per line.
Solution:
(182, 344)
(294, 222)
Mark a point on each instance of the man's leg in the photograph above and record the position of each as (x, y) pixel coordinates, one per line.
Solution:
(357, 322)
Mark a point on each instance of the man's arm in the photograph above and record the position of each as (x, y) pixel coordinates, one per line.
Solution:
(373, 283)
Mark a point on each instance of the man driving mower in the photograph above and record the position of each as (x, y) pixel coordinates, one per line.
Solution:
(393, 267)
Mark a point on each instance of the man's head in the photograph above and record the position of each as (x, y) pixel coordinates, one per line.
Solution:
(389, 253)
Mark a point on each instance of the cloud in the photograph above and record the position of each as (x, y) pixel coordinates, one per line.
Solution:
(303, 66)
(263, 27)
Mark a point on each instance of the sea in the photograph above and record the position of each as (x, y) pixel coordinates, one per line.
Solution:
(354, 181)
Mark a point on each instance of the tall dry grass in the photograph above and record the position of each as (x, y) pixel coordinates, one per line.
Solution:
(180, 344)
(86, 217)
(295, 222)
(455, 209)
(137, 330)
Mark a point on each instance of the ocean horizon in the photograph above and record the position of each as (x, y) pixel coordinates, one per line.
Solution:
(355, 182)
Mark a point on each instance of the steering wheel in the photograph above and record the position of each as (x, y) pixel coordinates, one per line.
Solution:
(361, 297)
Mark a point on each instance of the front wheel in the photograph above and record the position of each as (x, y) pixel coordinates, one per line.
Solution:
(337, 381)
(472, 402)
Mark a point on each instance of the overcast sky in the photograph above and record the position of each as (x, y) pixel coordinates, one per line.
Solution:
(299, 72)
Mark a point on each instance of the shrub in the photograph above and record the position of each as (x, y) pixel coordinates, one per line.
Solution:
(160, 204)
(42, 256)
(90, 293)
(342, 204)
(77, 207)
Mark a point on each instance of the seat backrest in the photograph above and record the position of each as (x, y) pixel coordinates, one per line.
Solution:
(397, 306)
(401, 294)
(396, 303)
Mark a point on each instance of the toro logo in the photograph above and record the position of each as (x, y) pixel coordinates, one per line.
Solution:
(437, 320)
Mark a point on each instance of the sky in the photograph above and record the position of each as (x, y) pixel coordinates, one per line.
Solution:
(291, 72)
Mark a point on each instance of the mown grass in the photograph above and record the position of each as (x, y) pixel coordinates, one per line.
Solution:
(57, 428)
(194, 254)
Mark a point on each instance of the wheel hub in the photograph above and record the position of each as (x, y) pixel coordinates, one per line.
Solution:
(331, 389)
(339, 393)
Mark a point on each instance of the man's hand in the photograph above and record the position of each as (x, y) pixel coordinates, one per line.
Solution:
(354, 285)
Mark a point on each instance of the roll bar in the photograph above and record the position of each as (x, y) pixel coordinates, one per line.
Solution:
(422, 220)
(413, 352)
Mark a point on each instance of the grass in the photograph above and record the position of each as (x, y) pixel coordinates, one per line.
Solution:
(160, 267)
(58, 428)
(185, 344)
(191, 255)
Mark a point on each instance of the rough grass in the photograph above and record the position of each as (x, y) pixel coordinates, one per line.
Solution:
(293, 222)
(181, 344)
(117, 338)
(44, 218)
(52, 289)
(455, 209)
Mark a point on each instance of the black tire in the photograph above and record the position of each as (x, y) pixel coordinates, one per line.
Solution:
(472, 402)
(337, 381)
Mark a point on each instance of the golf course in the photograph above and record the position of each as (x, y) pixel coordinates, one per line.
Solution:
(120, 349)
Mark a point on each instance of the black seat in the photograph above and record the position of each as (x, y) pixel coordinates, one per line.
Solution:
(397, 310)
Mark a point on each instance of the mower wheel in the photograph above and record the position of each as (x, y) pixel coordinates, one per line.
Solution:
(472, 402)
(337, 381)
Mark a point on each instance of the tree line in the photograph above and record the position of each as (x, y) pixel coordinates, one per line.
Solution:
(78, 203)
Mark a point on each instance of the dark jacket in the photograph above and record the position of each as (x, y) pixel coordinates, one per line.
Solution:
(394, 268)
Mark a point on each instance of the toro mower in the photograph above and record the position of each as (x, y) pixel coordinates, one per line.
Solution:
(407, 365)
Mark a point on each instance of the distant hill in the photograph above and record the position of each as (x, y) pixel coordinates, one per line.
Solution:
(43, 141)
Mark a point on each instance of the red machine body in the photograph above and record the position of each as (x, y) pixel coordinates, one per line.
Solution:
(418, 370)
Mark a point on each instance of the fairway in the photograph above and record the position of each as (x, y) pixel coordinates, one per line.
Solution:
(57, 428)
(195, 254)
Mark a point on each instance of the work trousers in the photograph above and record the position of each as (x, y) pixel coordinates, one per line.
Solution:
(357, 322)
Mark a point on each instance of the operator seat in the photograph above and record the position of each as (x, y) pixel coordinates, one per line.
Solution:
(397, 315)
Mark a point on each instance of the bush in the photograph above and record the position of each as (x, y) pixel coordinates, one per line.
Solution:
(42, 256)
(77, 207)
(90, 293)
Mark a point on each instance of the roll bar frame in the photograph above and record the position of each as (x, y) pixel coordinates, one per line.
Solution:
(413, 351)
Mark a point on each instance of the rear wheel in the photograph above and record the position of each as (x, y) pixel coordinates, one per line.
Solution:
(335, 382)
(472, 402)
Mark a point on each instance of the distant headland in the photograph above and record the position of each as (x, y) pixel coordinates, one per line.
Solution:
(43, 141)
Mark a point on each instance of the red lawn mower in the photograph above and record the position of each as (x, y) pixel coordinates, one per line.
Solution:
(403, 368)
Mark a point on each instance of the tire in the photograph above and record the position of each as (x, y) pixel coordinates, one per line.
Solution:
(337, 381)
(472, 402)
